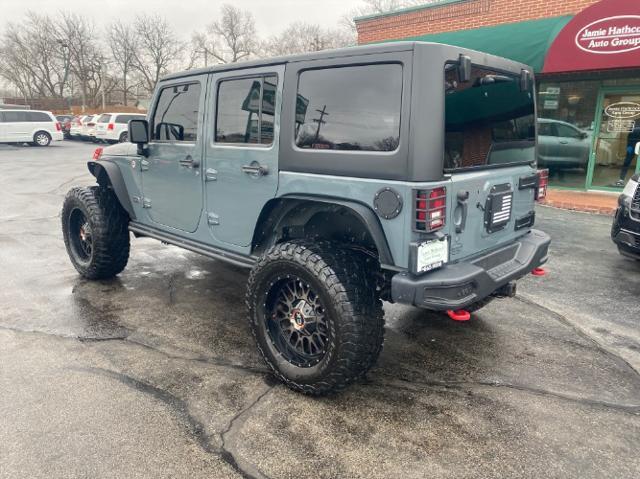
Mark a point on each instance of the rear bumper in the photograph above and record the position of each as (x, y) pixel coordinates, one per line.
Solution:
(456, 286)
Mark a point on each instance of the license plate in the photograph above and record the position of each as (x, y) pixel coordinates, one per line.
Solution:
(432, 255)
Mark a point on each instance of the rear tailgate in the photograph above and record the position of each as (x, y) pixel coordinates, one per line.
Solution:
(497, 206)
(490, 153)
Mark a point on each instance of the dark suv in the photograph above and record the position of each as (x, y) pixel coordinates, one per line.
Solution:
(626, 224)
(403, 172)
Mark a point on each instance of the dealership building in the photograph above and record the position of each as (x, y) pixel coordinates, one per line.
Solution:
(586, 55)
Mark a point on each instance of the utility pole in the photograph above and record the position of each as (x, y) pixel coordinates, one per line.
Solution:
(320, 121)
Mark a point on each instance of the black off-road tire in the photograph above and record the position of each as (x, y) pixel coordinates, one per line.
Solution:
(344, 282)
(98, 209)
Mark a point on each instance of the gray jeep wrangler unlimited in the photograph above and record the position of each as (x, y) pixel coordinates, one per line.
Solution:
(403, 172)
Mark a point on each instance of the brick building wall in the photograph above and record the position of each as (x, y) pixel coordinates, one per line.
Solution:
(462, 15)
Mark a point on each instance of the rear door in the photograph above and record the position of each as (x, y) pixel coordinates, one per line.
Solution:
(171, 174)
(490, 148)
(242, 156)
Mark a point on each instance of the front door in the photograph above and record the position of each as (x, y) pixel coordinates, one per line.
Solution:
(242, 156)
(172, 173)
(617, 133)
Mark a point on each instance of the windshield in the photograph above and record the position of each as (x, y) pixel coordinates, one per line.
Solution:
(488, 120)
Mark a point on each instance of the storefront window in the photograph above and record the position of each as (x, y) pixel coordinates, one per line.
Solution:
(566, 112)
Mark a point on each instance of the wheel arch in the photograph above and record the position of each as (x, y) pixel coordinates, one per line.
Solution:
(301, 216)
(108, 174)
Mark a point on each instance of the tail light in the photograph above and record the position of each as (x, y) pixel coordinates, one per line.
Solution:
(111, 126)
(97, 154)
(430, 209)
(58, 126)
(543, 183)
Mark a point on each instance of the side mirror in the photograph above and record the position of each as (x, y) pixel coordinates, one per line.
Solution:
(525, 80)
(464, 69)
(139, 134)
(638, 148)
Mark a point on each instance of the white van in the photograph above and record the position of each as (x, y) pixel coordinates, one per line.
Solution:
(38, 128)
(114, 127)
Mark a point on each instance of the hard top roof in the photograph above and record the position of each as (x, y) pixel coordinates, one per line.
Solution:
(325, 54)
(372, 49)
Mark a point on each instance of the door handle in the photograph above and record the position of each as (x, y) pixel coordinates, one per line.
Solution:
(189, 162)
(564, 142)
(255, 170)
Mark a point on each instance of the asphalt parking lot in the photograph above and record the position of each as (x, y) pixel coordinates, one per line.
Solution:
(154, 374)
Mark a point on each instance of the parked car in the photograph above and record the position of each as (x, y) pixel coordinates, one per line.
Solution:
(38, 128)
(114, 127)
(88, 130)
(561, 145)
(65, 123)
(75, 132)
(625, 231)
(315, 173)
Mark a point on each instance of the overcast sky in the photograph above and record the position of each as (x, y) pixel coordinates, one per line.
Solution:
(187, 15)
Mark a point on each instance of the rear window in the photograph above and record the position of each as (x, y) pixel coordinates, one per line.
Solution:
(350, 108)
(126, 118)
(104, 119)
(246, 109)
(488, 121)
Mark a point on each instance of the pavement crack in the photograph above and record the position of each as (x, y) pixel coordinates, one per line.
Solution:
(461, 385)
(88, 339)
(212, 360)
(228, 449)
(562, 319)
(177, 406)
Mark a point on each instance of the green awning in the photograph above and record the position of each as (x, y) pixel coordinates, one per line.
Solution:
(525, 42)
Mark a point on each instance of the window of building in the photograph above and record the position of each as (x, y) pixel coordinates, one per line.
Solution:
(350, 108)
(176, 114)
(567, 112)
(246, 110)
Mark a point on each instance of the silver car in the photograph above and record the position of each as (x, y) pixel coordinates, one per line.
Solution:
(562, 145)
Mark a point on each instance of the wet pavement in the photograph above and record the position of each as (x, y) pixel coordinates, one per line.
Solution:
(155, 374)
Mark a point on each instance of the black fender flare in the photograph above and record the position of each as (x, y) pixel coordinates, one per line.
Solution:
(109, 168)
(364, 213)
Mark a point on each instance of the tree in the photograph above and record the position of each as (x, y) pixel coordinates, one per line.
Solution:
(32, 60)
(157, 49)
(230, 39)
(77, 35)
(303, 37)
(123, 46)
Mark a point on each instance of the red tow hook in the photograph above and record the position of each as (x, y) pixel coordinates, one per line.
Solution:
(459, 315)
(539, 272)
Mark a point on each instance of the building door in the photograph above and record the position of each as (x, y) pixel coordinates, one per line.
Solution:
(617, 131)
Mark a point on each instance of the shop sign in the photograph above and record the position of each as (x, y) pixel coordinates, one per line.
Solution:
(553, 90)
(621, 126)
(605, 35)
(610, 35)
(551, 104)
(622, 110)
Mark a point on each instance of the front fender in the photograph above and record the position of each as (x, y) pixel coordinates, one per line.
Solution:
(114, 175)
